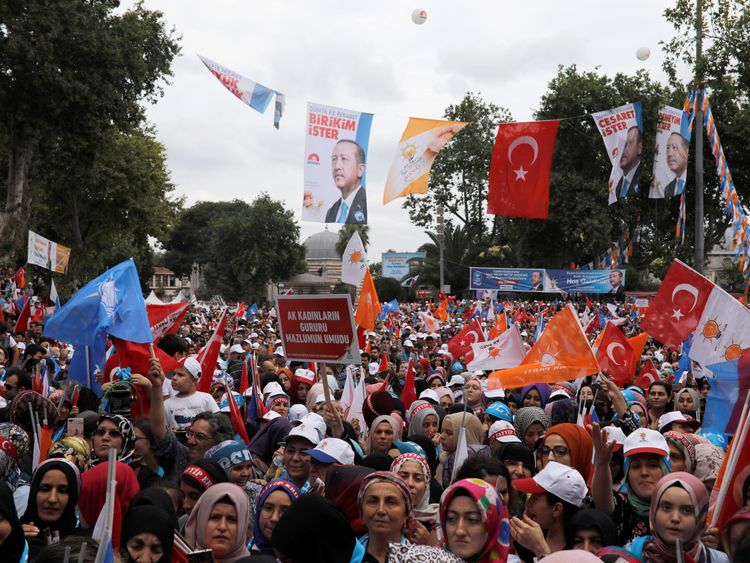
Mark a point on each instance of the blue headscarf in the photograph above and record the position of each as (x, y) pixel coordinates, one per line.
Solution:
(260, 541)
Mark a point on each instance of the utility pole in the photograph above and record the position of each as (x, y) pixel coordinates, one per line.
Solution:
(441, 238)
(699, 225)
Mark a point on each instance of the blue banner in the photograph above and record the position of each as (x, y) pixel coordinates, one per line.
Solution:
(586, 281)
(507, 279)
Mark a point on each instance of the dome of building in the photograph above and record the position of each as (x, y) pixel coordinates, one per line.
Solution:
(322, 246)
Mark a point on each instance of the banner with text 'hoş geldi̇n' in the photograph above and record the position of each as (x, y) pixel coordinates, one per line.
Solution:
(621, 129)
(336, 165)
(585, 281)
(671, 156)
(507, 279)
(421, 141)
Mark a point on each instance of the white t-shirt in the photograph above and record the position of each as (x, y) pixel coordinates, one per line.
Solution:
(181, 410)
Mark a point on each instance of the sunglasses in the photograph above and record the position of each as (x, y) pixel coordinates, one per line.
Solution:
(101, 432)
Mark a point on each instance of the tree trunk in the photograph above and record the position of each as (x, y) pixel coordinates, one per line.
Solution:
(14, 217)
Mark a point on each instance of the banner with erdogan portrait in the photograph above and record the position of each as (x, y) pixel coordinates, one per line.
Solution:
(621, 129)
(671, 156)
(335, 165)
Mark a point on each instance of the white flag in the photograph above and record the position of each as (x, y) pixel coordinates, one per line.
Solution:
(431, 324)
(461, 454)
(358, 402)
(723, 330)
(505, 351)
(354, 261)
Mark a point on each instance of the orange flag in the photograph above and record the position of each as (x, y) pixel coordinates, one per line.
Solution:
(562, 353)
(500, 326)
(638, 343)
(442, 311)
(368, 307)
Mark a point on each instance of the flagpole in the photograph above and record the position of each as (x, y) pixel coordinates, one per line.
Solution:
(88, 365)
(734, 453)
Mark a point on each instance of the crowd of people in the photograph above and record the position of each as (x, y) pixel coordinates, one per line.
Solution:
(535, 481)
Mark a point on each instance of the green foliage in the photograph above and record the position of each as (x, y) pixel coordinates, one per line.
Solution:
(387, 288)
(461, 169)
(463, 248)
(346, 233)
(241, 245)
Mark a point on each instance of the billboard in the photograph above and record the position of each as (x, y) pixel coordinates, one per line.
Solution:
(507, 279)
(406, 267)
(586, 281)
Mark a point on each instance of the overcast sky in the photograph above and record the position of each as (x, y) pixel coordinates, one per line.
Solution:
(369, 56)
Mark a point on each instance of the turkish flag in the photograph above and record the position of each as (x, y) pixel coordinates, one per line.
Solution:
(520, 167)
(165, 318)
(615, 355)
(210, 353)
(647, 376)
(460, 345)
(409, 393)
(676, 310)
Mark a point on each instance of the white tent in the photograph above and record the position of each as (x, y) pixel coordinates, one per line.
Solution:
(152, 299)
(180, 298)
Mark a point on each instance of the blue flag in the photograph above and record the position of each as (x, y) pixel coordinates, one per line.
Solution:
(391, 306)
(539, 328)
(253, 310)
(110, 304)
(725, 399)
(684, 363)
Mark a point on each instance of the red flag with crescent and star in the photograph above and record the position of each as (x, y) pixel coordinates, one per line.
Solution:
(460, 345)
(520, 169)
(676, 310)
(615, 355)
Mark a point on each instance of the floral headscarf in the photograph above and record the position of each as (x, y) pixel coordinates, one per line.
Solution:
(423, 510)
(494, 517)
(657, 549)
(389, 478)
(259, 540)
(686, 447)
(128, 436)
(74, 449)
(14, 444)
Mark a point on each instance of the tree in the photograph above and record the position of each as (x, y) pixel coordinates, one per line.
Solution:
(242, 246)
(461, 169)
(71, 73)
(347, 231)
(110, 209)
(462, 249)
(387, 288)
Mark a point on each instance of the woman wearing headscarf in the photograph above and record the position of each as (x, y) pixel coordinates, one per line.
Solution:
(535, 395)
(445, 396)
(219, 522)
(413, 469)
(385, 518)
(198, 477)
(681, 451)
(423, 419)
(94, 488)
(274, 500)
(736, 528)
(14, 448)
(51, 512)
(12, 541)
(384, 430)
(468, 501)
(590, 530)
(561, 410)
(474, 440)
(531, 423)
(314, 530)
(114, 431)
(678, 510)
(568, 444)
(155, 496)
(688, 401)
(75, 449)
(147, 535)
(473, 395)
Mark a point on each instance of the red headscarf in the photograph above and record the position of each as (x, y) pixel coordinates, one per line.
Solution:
(580, 445)
(94, 494)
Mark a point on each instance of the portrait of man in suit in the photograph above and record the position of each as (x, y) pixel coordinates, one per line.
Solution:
(537, 281)
(677, 161)
(630, 163)
(615, 280)
(348, 168)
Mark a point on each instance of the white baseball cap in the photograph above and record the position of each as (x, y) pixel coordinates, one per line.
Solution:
(297, 413)
(498, 393)
(676, 416)
(560, 480)
(645, 441)
(408, 344)
(253, 335)
(616, 435)
(279, 352)
(236, 349)
(430, 395)
(273, 388)
(306, 375)
(456, 380)
(503, 431)
(306, 431)
(332, 450)
(270, 415)
(192, 366)
(373, 368)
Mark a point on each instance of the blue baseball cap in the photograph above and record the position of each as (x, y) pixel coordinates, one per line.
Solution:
(499, 411)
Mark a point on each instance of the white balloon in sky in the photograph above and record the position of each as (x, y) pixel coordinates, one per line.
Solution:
(643, 53)
(419, 16)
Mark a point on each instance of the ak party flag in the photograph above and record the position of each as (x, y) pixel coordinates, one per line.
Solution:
(250, 92)
(354, 261)
(505, 351)
(520, 169)
(420, 143)
(368, 306)
(562, 353)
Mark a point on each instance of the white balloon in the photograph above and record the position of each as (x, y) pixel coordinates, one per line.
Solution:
(643, 53)
(419, 16)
